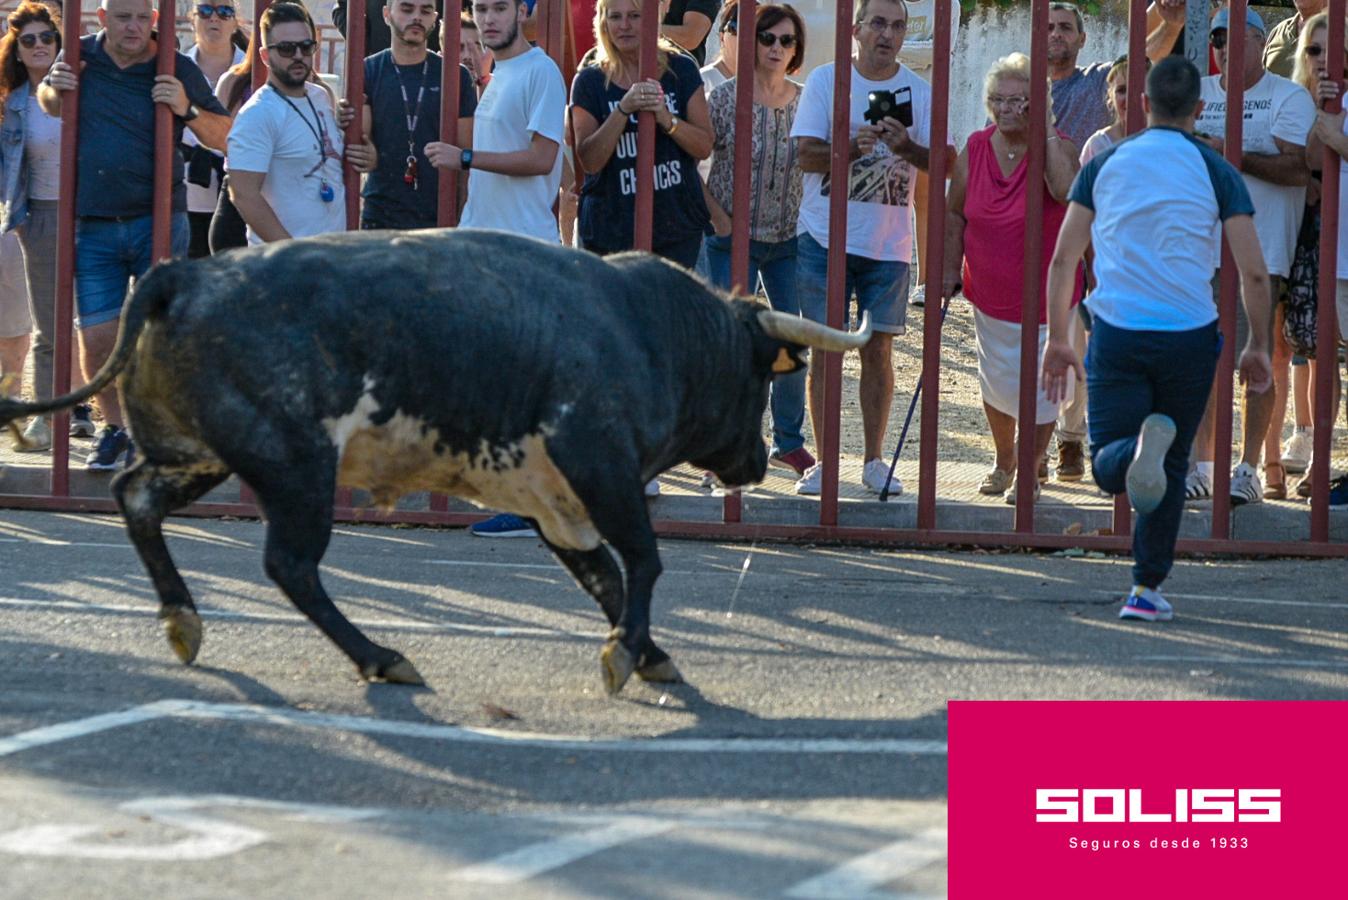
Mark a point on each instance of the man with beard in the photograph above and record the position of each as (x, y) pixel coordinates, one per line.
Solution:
(285, 149)
(515, 164)
(402, 115)
(378, 34)
(119, 93)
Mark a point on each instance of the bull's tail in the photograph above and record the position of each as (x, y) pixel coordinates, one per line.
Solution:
(149, 299)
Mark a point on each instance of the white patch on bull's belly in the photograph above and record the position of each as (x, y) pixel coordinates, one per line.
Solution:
(401, 457)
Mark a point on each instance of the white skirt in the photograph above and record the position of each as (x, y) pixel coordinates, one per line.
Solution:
(999, 368)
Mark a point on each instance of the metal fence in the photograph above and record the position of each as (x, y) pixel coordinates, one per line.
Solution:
(555, 31)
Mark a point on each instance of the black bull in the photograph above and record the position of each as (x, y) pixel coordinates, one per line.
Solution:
(526, 377)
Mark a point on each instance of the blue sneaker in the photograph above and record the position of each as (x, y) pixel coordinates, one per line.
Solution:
(1338, 491)
(1146, 473)
(503, 525)
(112, 443)
(1148, 605)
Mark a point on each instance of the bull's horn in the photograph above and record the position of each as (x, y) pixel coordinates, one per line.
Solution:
(798, 330)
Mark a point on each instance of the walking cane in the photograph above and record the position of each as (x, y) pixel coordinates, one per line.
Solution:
(912, 406)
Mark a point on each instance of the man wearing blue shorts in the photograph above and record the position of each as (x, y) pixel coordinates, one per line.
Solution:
(884, 159)
(1154, 207)
(119, 91)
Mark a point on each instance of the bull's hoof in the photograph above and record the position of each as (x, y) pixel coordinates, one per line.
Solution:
(664, 671)
(616, 665)
(400, 671)
(182, 627)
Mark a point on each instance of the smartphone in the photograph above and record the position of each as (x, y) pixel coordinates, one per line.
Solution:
(890, 104)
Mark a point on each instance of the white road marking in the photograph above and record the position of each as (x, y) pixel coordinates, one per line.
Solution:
(1226, 598)
(1252, 661)
(210, 837)
(859, 878)
(239, 712)
(66, 731)
(544, 856)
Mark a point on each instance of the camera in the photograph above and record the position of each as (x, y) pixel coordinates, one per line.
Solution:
(890, 104)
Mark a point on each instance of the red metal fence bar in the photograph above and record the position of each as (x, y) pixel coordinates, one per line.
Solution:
(1326, 351)
(1027, 468)
(1226, 310)
(354, 78)
(161, 239)
(447, 209)
(933, 267)
(644, 207)
(839, 175)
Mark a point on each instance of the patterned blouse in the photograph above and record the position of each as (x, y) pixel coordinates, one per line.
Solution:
(775, 174)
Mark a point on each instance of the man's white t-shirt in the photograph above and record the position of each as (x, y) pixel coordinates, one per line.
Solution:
(279, 136)
(1274, 107)
(880, 186)
(202, 199)
(526, 96)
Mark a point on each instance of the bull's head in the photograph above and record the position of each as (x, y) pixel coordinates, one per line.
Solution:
(779, 341)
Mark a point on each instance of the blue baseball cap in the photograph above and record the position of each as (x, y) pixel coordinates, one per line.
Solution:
(1252, 19)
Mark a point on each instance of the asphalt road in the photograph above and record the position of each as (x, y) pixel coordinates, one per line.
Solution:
(805, 757)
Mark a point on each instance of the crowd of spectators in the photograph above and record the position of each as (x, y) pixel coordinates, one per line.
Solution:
(255, 166)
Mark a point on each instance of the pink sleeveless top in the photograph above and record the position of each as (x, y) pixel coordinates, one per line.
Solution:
(994, 234)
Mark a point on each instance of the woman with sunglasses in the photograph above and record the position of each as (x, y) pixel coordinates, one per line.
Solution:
(30, 152)
(774, 207)
(214, 26)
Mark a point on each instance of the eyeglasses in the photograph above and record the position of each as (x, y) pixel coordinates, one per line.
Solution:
(1218, 39)
(881, 26)
(1013, 102)
(767, 39)
(731, 27)
(30, 40)
(288, 49)
(205, 10)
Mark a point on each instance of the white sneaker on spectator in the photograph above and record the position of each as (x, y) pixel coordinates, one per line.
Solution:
(918, 297)
(1245, 486)
(1296, 454)
(873, 476)
(653, 488)
(1197, 486)
(811, 483)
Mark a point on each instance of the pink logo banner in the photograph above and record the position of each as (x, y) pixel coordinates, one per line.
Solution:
(1104, 799)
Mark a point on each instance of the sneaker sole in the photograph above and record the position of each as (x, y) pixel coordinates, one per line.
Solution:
(775, 463)
(504, 534)
(1142, 615)
(1146, 473)
(1295, 466)
(1070, 476)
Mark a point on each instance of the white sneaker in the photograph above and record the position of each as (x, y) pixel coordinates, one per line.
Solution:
(653, 488)
(873, 476)
(1197, 486)
(1245, 486)
(37, 436)
(1296, 455)
(811, 483)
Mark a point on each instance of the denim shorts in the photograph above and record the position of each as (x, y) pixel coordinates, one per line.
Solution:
(109, 253)
(880, 286)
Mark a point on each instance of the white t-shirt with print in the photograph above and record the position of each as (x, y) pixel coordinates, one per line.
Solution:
(526, 96)
(278, 135)
(880, 187)
(1274, 107)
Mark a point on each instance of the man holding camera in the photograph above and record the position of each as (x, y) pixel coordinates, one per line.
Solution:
(890, 128)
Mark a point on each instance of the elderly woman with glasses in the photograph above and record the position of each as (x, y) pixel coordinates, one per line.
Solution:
(985, 253)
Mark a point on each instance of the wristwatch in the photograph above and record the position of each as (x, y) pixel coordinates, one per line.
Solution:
(192, 112)
(466, 159)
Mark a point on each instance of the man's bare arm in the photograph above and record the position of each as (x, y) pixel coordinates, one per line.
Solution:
(245, 190)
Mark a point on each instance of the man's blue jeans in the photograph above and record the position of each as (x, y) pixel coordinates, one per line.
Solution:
(1129, 376)
(775, 263)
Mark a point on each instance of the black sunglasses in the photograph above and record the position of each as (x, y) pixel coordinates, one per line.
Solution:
(732, 26)
(288, 49)
(1218, 39)
(767, 39)
(222, 12)
(30, 40)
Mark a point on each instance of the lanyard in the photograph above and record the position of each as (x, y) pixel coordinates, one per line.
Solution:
(413, 115)
(320, 133)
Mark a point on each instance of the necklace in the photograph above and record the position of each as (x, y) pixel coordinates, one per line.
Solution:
(325, 191)
(412, 115)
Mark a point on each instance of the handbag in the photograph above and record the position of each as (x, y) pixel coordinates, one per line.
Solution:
(1302, 295)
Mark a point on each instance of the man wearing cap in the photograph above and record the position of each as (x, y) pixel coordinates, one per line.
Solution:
(1278, 117)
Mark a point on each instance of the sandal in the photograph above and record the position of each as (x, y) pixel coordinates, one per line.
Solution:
(1275, 481)
(995, 482)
